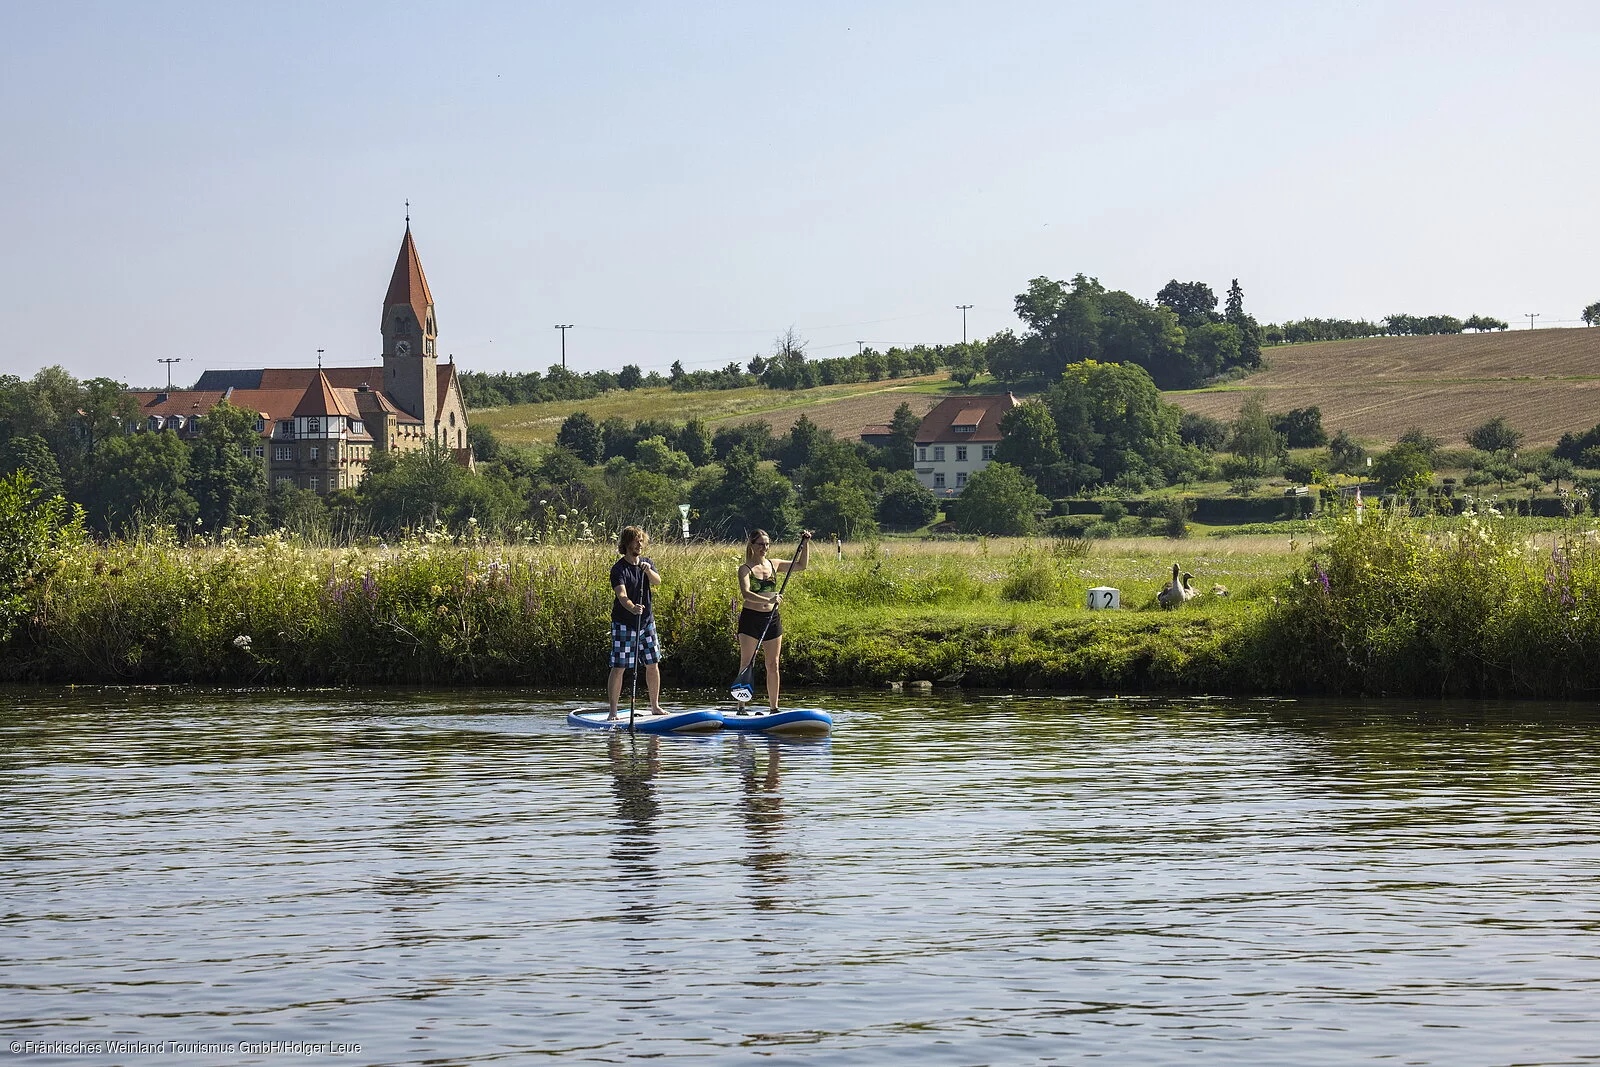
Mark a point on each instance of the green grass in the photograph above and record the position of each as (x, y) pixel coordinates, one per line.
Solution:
(1475, 606)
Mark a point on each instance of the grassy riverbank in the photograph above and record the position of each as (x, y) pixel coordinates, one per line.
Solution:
(1386, 607)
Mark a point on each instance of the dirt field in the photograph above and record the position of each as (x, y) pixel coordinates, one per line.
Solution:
(1545, 382)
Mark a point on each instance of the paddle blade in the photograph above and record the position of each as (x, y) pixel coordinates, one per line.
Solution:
(744, 686)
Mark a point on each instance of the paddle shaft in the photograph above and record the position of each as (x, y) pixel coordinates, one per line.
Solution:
(638, 635)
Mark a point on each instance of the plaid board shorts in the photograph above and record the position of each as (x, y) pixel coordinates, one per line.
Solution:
(622, 644)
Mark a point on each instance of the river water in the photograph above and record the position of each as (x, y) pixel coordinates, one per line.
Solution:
(458, 877)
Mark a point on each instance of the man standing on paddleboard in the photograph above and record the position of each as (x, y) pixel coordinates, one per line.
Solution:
(633, 623)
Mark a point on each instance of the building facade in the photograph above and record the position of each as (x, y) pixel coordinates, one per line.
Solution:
(957, 440)
(319, 428)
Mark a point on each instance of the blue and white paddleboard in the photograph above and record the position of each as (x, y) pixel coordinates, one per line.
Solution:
(692, 721)
(794, 722)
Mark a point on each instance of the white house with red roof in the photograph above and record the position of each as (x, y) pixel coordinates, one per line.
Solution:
(320, 427)
(957, 440)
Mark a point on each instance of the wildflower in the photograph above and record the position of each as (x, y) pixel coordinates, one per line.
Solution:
(1322, 576)
(242, 642)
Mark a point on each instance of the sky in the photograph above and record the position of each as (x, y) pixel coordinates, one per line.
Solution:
(225, 183)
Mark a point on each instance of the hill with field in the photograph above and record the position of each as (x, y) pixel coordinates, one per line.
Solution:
(1545, 383)
(843, 409)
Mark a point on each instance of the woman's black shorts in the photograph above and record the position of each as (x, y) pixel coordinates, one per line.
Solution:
(752, 623)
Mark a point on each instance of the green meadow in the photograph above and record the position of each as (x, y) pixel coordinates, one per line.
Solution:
(1478, 606)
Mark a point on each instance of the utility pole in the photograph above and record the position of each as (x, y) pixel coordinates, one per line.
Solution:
(861, 346)
(564, 330)
(319, 359)
(1531, 316)
(169, 362)
(963, 308)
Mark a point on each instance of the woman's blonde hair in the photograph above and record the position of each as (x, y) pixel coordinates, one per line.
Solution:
(625, 538)
(753, 551)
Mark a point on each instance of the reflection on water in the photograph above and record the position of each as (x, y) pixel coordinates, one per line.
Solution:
(635, 761)
(761, 805)
(448, 877)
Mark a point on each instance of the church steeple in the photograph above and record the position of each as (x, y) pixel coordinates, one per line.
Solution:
(410, 334)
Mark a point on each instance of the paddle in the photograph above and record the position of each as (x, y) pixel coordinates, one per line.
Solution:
(638, 635)
(744, 686)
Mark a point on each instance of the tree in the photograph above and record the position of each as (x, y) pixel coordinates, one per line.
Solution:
(1254, 440)
(1344, 454)
(139, 478)
(903, 426)
(1483, 323)
(1422, 439)
(905, 503)
(1250, 331)
(1404, 469)
(694, 441)
(804, 438)
(1494, 436)
(225, 479)
(582, 437)
(1202, 431)
(30, 454)
(629, 377)
(1111, 418)
(417, 489)
(1000, 500)
(655, 455)
(1554, 469)
(746, 497)
(1301, 427)
(1193, 302)
(840, 508)
(1031, 441)
(1591, 314)
(484, 444)
(36, 534)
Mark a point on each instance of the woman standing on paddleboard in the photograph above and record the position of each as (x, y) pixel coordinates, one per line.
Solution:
(758, 583)
(633, 624)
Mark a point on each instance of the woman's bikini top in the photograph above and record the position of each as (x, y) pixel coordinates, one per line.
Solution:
(763, 585)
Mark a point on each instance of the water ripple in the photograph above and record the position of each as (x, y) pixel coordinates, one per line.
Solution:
(459, 877)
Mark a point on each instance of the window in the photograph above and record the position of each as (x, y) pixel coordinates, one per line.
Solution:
(261, 450)
(427, 346)
(311, 483)
(261, 424)
(938, 479)
(357, 428)
(452, 420)
(988, 453)
(938, 453)
(961, 453)
(285, 427)
(316, 452)
(313, 425)
(283, 454)
(286, 481)
(922, 454)
(961, 479)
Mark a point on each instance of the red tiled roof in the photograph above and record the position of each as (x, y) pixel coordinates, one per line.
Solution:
(982, 412)
(408, 285)
(320, 399)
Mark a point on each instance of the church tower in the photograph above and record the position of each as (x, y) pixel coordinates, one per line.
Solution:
(410, 362)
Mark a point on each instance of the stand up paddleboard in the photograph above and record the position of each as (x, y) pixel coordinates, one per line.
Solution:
(795, 722)
(693, 721)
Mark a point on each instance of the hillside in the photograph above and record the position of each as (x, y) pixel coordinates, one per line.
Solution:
(1545, 382)
(844, 409)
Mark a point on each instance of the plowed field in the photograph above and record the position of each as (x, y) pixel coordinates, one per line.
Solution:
(1545, 383)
